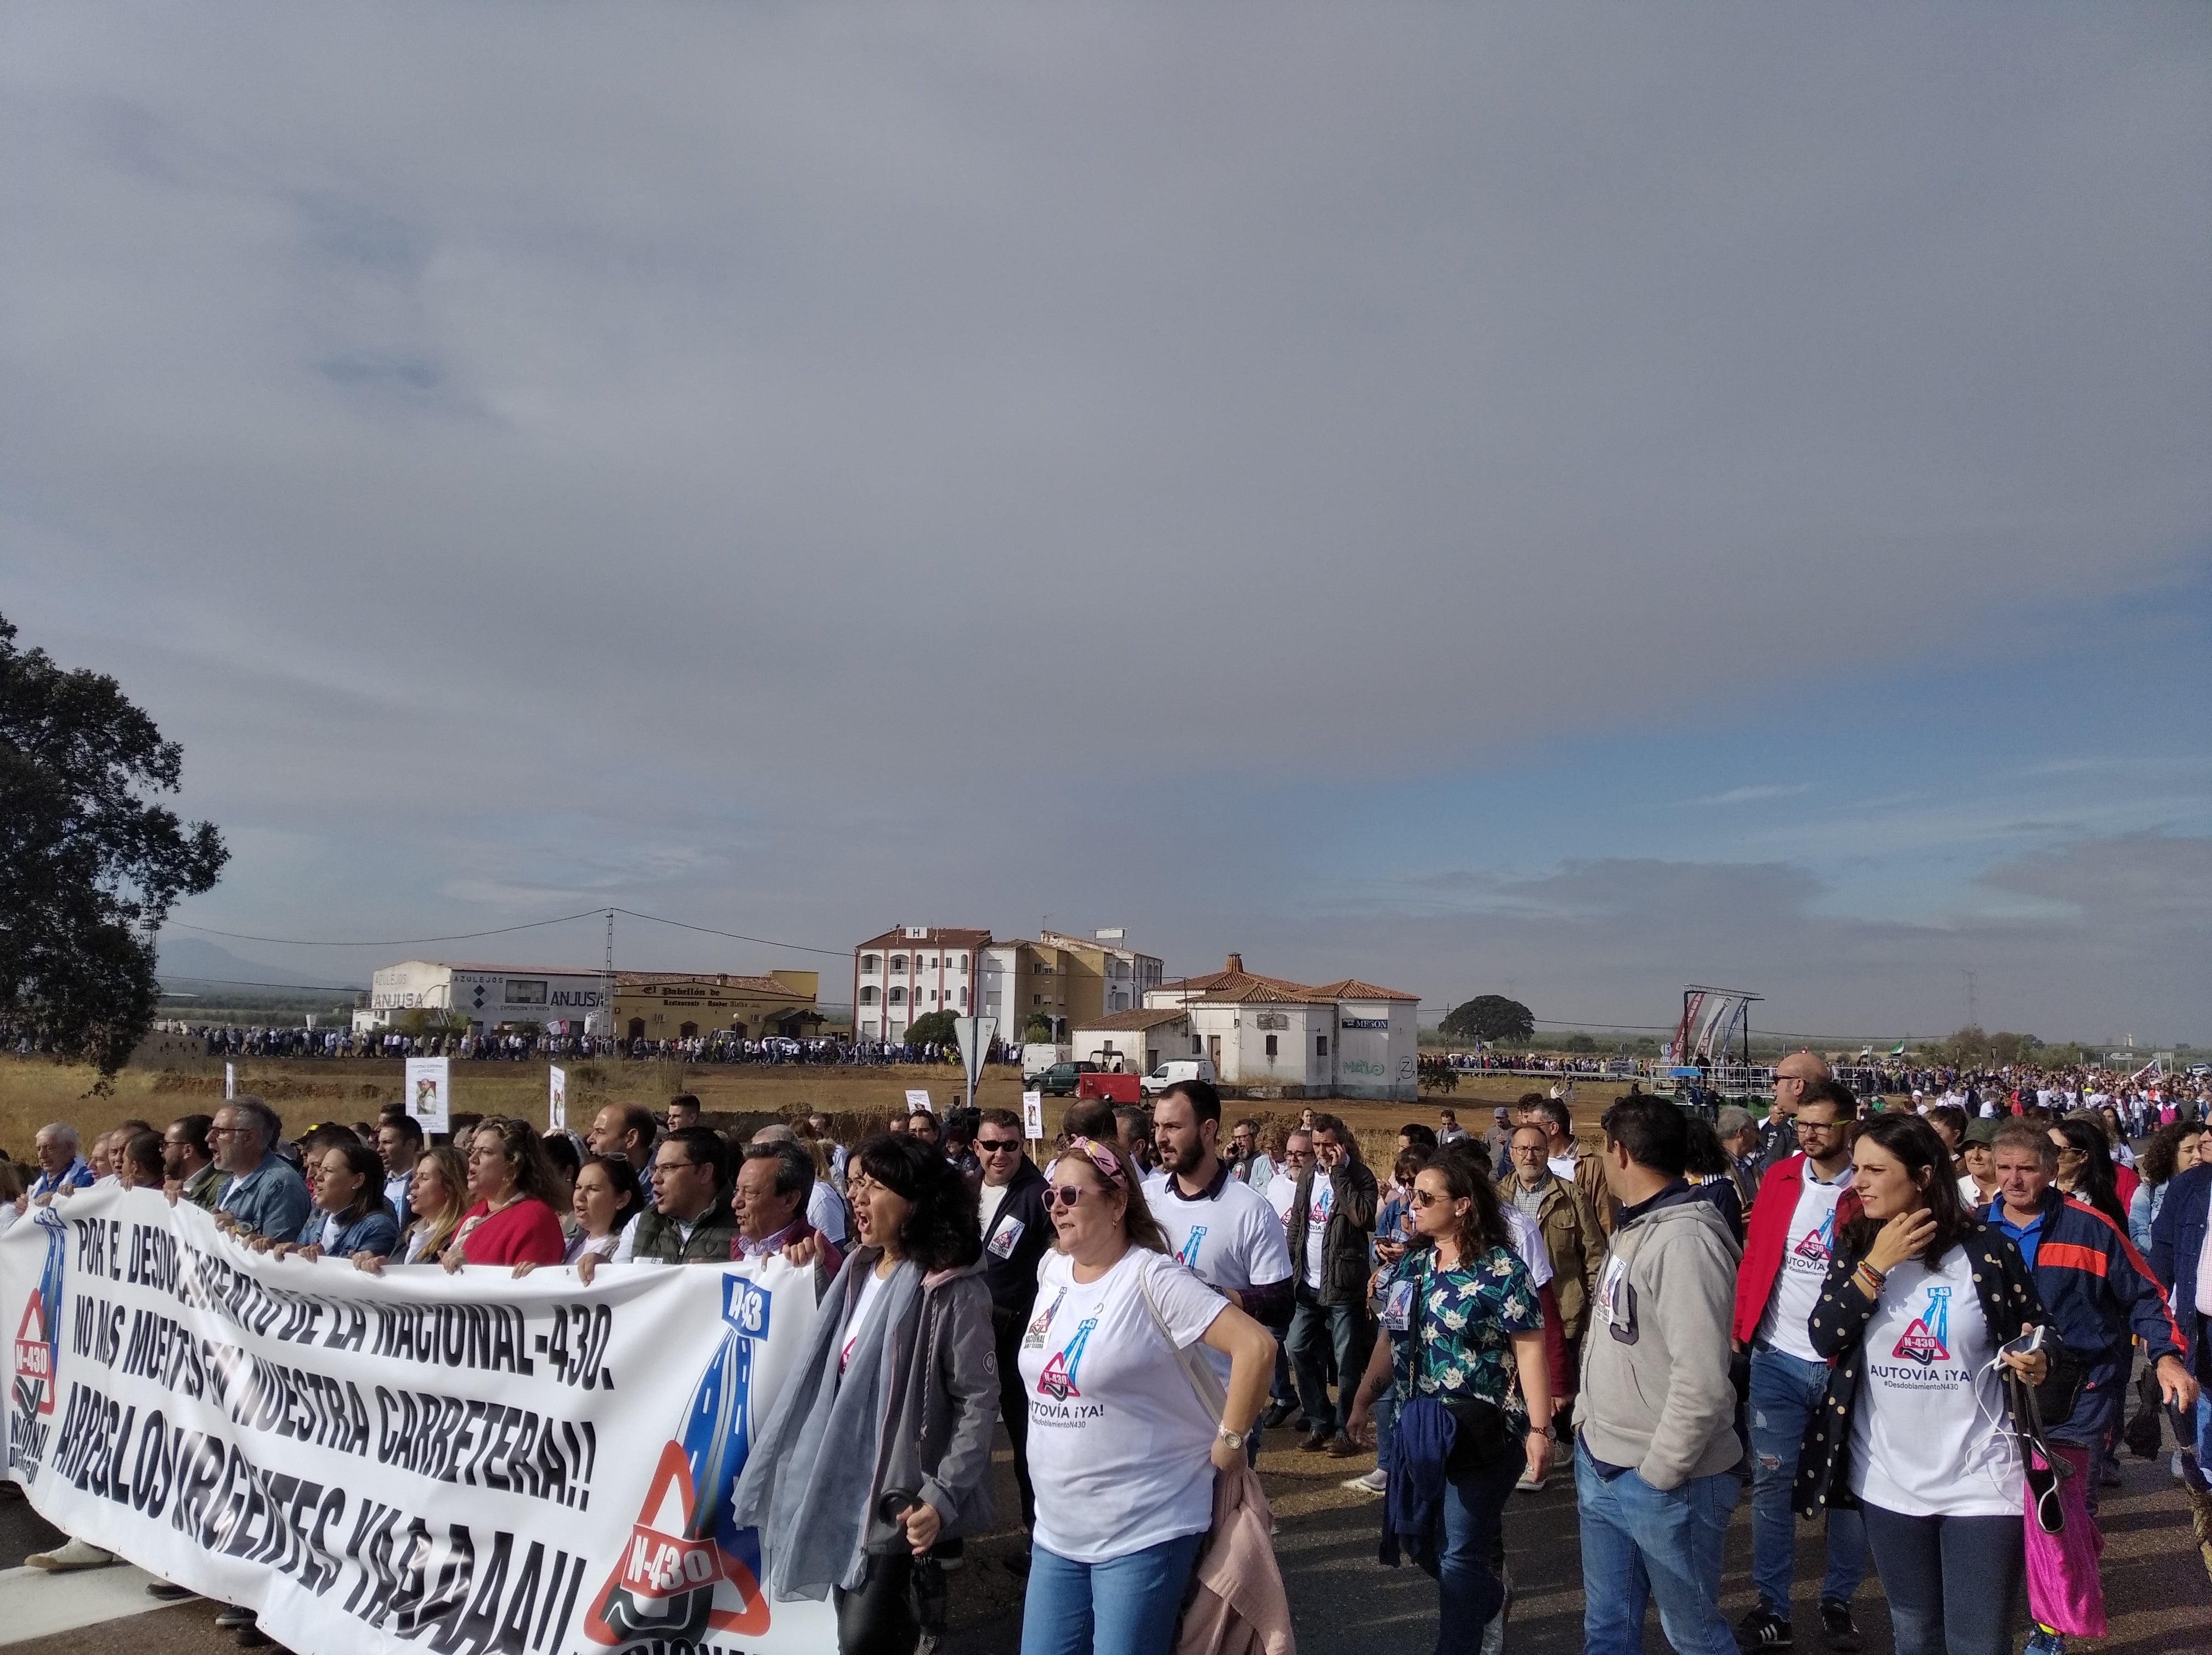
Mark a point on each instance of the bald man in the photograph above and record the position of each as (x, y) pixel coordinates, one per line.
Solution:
(1777, 1133)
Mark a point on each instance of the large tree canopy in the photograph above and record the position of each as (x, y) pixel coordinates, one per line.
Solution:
(89, 868)
(1490, 1017)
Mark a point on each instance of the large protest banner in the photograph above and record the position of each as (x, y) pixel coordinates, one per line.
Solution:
(463, 1463)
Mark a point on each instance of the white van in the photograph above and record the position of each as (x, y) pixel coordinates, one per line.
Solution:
(1183, 1069)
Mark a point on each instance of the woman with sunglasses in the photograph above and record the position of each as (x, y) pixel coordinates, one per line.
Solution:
(1121, 1447)
(1466, 1329)
(900, 1358)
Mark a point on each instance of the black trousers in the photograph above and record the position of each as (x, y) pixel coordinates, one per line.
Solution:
(878, 1618)
(1014, 1404)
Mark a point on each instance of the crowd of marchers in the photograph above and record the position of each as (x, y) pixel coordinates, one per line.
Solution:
(1923, 1327)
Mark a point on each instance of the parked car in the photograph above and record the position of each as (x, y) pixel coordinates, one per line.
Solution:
(1183, 1068)
(1059, 1081)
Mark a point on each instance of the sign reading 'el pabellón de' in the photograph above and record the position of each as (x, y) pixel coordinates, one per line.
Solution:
(465, 1464)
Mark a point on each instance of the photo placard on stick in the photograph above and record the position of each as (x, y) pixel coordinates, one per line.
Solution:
(1033, 1114)
(556, 1102)
(229, 1082)
(429, 1092)
(918, 1098)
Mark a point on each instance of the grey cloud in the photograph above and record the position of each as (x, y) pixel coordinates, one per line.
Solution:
(804, 439)
(2116, 946)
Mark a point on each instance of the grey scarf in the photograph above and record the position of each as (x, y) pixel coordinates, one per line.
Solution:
(805, 1487)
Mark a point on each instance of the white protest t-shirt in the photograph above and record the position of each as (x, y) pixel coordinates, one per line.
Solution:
(856, 1321)
(1805, 1249)
(1119, 1443)
(1319, 1201)
(1232, 1241)
(1928, 1439)
(1529, 1242)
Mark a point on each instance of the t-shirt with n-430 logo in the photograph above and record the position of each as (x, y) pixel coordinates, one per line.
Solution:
(1119, 1445)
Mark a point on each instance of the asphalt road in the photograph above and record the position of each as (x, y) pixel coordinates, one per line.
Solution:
(1345, 1602)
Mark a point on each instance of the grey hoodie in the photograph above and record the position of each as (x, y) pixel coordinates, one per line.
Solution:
(1656, 1395)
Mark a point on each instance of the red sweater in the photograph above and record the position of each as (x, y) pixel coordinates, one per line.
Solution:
(521, 1231)
(1768, 1238)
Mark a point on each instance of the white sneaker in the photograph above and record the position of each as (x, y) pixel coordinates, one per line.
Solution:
(1373, 1483)
(76, 1554)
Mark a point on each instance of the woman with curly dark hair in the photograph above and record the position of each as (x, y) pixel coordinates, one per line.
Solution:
(2172, 1149)
(902, 1357)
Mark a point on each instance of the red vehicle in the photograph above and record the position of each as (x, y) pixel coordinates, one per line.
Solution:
(1115, 1088)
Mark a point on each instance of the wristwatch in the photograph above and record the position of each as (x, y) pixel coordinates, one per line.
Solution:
(1234, 1439)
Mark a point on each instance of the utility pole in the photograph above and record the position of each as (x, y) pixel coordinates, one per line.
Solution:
(1973, 1009)
(607, 976)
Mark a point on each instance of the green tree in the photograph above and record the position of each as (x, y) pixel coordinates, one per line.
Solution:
(1038, 1028)
(1490, 1017)
(89, 867)
(931, 1027)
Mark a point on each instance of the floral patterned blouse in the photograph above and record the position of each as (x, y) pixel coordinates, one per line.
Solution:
(1459, 1341)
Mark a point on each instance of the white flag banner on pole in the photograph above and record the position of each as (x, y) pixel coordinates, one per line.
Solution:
(463, 1463)
(429, 1092)
(557, 1103)
(229, 1082)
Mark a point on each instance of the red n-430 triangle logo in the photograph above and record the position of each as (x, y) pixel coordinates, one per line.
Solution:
(1926, 1341)
(1820, 1241)
(1058, 1379)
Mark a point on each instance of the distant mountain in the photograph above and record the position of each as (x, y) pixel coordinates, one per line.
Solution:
(196, 959)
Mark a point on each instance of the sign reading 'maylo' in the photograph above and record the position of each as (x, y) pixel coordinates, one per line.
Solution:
(463, 1463)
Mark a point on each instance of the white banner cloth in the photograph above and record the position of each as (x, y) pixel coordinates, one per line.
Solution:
(460, 1464)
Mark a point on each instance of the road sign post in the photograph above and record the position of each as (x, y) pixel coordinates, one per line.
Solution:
(976, 1035)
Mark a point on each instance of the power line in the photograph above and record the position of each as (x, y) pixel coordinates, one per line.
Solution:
(385, 942)
(765, 942)
(235, 982)
(506, 930)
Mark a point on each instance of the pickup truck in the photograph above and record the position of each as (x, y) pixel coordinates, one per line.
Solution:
(1059, 1081)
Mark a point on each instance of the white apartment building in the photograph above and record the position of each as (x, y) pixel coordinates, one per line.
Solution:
(911, 971)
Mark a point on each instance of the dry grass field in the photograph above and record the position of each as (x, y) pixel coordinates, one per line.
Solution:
(33, 1092)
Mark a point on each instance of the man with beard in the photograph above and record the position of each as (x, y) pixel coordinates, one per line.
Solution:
(1217, 1225)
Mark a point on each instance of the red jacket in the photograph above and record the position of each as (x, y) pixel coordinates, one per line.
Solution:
(1768, 1238)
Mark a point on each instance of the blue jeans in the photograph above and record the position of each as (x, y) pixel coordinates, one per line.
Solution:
(1950, 1580)
(1640, 1544)
(1124, 1606)
(1469, 1592)
(1785, 1392)
(1385, 1416)
(1328, 1344)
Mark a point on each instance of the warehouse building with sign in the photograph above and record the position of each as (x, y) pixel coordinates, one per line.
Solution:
(491, 997)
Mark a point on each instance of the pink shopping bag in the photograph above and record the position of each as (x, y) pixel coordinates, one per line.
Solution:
(2065, 1591)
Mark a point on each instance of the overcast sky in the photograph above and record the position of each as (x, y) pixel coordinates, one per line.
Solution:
(1567, 500)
